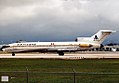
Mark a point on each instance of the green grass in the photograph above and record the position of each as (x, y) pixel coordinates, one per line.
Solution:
(38, 68)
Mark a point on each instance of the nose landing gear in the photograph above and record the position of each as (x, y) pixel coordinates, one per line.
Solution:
(13, 54)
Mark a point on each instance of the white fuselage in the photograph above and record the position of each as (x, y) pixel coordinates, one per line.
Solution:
(49, 46)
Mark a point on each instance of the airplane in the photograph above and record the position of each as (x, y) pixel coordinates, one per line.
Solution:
(81, 43)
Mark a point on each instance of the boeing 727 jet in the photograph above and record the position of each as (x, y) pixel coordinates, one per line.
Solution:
(81, 43)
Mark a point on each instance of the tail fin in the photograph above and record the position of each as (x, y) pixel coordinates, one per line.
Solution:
(101, 35)
(97, 38)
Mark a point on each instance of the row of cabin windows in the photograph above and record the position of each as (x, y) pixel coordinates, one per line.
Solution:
(41, 45)
(30, 45)
(26, 44)
(52, 44)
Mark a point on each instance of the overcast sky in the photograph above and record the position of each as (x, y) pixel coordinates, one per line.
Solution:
(57, 20)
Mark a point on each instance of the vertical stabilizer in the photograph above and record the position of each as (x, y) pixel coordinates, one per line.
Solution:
(101, 35)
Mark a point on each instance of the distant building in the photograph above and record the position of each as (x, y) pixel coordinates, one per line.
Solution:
(108, 47)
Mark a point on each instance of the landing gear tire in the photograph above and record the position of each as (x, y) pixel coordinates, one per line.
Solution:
(13, 54)
(61, 53)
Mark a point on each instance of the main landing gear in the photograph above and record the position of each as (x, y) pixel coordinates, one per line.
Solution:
(61, 53)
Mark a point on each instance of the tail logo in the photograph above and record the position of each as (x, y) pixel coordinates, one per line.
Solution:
(96, 38)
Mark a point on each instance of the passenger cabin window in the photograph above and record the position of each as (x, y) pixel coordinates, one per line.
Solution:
(26, 44)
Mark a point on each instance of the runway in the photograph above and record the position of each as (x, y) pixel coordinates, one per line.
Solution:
(66, 56)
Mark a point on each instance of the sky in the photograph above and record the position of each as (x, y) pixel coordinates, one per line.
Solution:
(57, 20)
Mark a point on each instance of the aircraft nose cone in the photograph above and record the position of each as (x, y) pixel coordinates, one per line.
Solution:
(3, 49)
(0, 47)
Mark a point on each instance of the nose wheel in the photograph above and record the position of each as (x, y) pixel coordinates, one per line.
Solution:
(13, 54)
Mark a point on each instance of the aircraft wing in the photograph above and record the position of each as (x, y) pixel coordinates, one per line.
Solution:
(64, 49)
